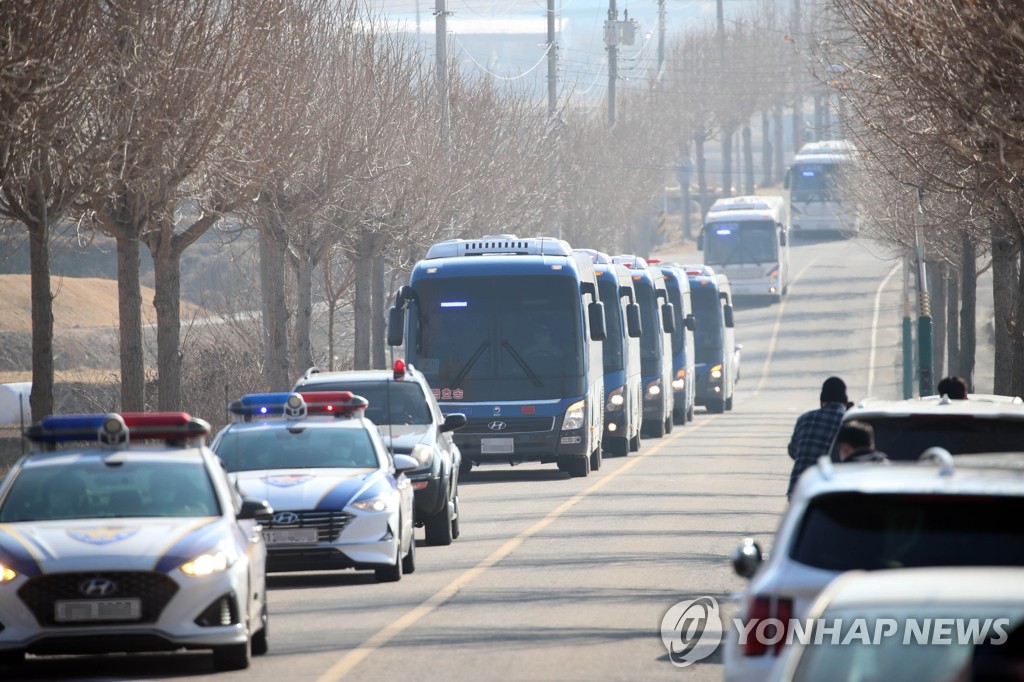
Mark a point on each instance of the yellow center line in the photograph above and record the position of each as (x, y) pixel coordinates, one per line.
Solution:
(775, 331)
(354, 657)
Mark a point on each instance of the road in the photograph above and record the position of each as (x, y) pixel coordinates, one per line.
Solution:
(568, 579)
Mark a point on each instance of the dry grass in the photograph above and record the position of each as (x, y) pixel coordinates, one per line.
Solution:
(79, 303)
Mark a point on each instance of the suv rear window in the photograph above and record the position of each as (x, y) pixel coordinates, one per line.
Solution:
(845, 531)
(906, 437)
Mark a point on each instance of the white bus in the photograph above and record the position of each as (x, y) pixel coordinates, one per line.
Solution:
(817, 183)
(747, 239)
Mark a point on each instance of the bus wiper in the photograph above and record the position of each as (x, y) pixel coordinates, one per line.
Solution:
(522, 363)
(469, 363)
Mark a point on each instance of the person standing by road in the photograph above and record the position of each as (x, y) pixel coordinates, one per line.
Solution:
(815, 430)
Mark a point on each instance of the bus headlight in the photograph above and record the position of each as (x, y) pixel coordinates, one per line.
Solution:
(653, 390)
(679, 383)
(716, 372)
(616, 399)
(575, 416)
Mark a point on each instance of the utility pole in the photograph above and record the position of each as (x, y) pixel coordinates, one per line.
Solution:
(661, 37)
(441, 29)
(611, 38)
(798, 104)
(552, 61)
(924, 314)
(908, 335)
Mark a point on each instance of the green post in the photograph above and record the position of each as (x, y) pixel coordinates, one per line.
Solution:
(924, 351)
(908, 358)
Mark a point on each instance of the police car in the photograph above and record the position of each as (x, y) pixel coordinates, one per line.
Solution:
(939, 511)
(341, 500)
(107, 545)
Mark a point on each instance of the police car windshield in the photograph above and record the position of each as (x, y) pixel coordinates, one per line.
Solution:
(391, 402)
(90, 489)
(296, 447)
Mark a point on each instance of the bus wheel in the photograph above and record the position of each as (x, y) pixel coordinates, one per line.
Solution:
(654, 429)
(576, 467)
(595, 459)
(716, 406)
(634, 443)
(728, 403)
(668, 424)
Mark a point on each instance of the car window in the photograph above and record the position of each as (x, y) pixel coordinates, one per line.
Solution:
(92, 490)
(906, 437)
(844, 531)
(296, 448)
(390, 402)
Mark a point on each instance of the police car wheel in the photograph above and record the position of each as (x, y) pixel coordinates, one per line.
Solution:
(389, 574)
(439, 528)
(12, 658)
(232, 657)
(409, 561)
(260, 645)
(455, 519)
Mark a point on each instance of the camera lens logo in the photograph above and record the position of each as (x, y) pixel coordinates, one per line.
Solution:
(691, 630)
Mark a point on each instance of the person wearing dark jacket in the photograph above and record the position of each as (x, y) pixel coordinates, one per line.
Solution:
(856, 443)
(814, 430)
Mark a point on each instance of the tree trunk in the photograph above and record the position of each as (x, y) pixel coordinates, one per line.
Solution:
(780, 160)
(968, 310)
(727, 162)
(748, 159)
(41, 398)
(304, 311)
(129, 308)
(275, 309)
(1004, 281)
(167, 273)
(798, 121)
(767, 153)
(1017, 343)
(702, 178)
(937, 290)
(953, 320)
(362, 306)
(379, 312)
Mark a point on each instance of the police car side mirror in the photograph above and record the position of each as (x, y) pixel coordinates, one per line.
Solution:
(729, 322)
(691, 322)
(405, 463)
(453, 421)
(747, 558)
(633, 326)
(396, 326)
(257, 510)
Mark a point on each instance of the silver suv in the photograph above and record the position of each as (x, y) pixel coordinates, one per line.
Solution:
(407, 415)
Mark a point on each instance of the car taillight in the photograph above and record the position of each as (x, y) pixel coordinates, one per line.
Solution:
(762, 609)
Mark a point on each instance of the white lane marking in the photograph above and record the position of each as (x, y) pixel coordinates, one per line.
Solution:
(344, 665)
(874, 329)
(775, 330)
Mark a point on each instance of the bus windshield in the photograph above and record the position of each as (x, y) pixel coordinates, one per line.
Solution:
(708, 337)
(499, 337)
(650, 339)
(743, 242)
(816, 182)
(608, 289)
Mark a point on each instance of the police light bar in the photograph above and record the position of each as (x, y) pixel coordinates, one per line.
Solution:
(114, 429)
(654, 261)
(338, 403)
(282, 404)
(399, 369)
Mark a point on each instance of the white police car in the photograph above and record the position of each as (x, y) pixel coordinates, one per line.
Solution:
(116, 547)
(341, 500)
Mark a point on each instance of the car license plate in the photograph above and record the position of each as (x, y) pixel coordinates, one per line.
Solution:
(290, 536)
(496, 446)
(86, 610)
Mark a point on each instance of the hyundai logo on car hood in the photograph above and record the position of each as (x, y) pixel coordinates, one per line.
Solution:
(98, 587)
(286, 517)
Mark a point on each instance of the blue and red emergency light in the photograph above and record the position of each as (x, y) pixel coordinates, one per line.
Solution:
(116, 428)
(297, 405)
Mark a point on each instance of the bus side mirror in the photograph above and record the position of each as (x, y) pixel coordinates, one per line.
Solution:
(785, 179)
(728, 316)
(668, 318)
(782, 238)
(633, 326)
(597, 328)
(396, 326)
(700, 241)
(691, 322)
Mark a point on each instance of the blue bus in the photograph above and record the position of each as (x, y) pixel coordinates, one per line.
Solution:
(684, 382)
(657, 322)
(714, 338)
(508, 331)
(623, 391)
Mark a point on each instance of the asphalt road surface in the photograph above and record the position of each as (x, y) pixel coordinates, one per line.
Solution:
(569, 579)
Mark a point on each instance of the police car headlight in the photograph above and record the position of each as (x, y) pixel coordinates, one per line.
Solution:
(374, 504)
(208, 564)
(7, 574)
(423, 453)
(574, 416)
(716, 372)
